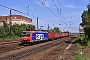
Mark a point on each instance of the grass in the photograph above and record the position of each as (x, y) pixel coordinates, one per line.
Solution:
(83, 56)
(10, 38)
(88, 44)
(78, 56)
(83, 44)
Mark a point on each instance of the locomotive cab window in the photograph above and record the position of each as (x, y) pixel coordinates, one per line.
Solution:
(26, 34)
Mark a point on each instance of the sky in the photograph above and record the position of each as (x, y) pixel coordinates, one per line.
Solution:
(65, 14)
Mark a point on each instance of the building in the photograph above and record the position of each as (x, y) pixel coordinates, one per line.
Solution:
(15, 19)
(81, 31)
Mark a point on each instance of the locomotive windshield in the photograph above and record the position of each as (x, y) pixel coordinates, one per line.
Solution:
(26, 34)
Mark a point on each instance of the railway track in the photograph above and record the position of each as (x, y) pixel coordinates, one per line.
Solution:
(59, 44)
(53, 54)
(56, 53)
(4, 43)
(9, 46)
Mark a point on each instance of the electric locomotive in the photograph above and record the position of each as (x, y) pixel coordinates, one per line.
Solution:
(33, 36)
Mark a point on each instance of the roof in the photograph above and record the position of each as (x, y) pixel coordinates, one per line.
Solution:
(36, 31)
(3, 18)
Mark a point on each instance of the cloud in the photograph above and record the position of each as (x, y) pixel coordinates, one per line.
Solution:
(72, 6)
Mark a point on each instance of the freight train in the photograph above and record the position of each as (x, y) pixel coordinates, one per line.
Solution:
(36, 36)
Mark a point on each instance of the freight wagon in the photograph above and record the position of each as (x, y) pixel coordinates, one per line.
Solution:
(36, 36)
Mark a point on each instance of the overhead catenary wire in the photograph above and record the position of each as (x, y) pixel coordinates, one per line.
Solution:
(38, 16)
(35, 10)
(43, 19)
(12, 9)
(52, 12)
(16, 10)
(59, 10)
(23, 12)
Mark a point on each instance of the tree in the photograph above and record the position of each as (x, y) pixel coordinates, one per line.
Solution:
(86, 21)
(56, 29)
(6, 28)
(2, 32)
(31, 27)
(17, 29)
(51, 30)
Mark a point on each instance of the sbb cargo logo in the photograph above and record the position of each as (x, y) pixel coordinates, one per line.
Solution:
(39, 36)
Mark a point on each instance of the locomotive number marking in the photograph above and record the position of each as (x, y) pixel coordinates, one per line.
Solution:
(39, 36)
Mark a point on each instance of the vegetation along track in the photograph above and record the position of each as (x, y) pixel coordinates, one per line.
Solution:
(25, 53)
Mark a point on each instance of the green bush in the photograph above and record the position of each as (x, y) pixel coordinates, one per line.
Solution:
(11, 38)
(16, 31)
(88, 44)
(82, 40)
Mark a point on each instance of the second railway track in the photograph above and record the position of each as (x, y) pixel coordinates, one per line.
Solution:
(6, 46)
(30, 51)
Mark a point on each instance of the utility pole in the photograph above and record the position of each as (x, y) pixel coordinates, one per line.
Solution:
(88, 6)
(48, 27)
(10, 22)
(79, 29)
(27, 10)
(37, 23)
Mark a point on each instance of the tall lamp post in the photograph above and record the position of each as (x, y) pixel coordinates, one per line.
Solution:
(10, 22)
